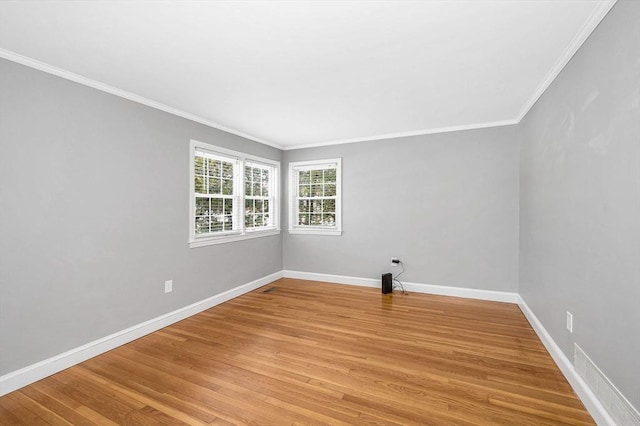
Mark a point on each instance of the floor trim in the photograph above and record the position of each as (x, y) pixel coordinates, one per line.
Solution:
(584, 392)
(34, 372)
(470, 293)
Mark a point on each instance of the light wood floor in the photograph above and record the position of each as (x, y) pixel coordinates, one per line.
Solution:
(303, 352)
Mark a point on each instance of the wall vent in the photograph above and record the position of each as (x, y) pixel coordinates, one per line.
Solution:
(618, 407)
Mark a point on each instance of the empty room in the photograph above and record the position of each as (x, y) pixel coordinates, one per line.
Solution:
(320, 212)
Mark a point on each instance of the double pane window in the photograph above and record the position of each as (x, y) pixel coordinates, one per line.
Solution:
(257, 198)
(315, 197)
(233, 195)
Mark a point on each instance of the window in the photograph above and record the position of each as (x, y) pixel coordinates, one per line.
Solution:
(315, 197)
(257, 198)
(234, 196)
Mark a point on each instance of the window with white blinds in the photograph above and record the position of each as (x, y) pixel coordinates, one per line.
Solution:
(213, 192)
(315, 197)
(258, 197)
(233, 195)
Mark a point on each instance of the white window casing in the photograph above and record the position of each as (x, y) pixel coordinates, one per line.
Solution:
(315, 197)
(226, 203)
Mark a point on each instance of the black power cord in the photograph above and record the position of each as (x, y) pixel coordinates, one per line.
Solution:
(396, 282)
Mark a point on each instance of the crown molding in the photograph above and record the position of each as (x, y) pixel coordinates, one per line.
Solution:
(59, 72)
(406, 134)
(585, 31)
(587, 28)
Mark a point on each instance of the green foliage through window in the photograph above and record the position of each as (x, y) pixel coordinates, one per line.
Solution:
(317, 197)
(217, 197)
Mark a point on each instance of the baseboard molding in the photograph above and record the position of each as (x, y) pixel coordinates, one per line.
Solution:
(335, 279)
(579, 385)
(32, 373)
(469, 293)
(584, 392)
(614, 402)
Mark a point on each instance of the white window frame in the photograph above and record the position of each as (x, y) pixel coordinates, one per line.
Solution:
(294, 168)
(240, 233)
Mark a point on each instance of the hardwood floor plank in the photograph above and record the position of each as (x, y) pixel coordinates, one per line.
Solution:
(14, 403)
(96, 417)
(48, 415)
(50, 399)
(308, 352)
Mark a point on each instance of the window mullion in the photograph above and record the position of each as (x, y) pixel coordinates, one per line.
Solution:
(214, 226)
(238, 193)
(296, 187)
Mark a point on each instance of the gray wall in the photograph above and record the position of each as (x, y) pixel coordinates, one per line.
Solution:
(94, 210)
(94, 216)
(445, 204)
(580, 201)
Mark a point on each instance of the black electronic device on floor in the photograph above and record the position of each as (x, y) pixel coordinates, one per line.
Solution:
(387, 283)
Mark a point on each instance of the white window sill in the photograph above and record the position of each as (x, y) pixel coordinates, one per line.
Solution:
(315, 231)
(222, 239)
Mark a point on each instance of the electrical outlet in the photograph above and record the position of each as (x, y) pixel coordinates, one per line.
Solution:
(569, 322)
(168, 286)
(395, 261)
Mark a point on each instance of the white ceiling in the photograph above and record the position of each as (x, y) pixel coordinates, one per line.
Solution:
(301, 73)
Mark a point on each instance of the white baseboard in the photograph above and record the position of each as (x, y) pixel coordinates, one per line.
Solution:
(336, 279)
(584, 392)
(27, 375)
(470, 293)
(582, 389)
(32, 373)
(614, 402)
